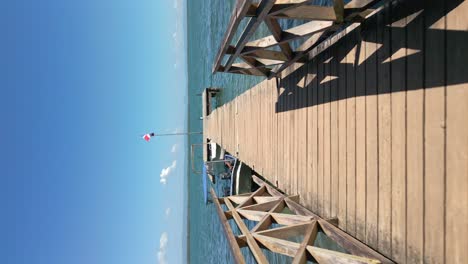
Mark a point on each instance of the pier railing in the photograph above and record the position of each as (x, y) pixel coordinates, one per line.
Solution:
(266, 206)
(257, 56)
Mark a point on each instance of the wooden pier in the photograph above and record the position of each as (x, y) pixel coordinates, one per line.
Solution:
(371, 129)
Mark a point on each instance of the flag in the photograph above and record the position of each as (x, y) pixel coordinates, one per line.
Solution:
(147, 137)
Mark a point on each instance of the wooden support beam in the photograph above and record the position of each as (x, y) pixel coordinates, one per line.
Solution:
(358, 6)
(264, 199)
(338, 7)
(256, 66)
(276, 245)
(272, 191)
(250, 200)
(268, 54)
(285, 5)
(330, 257)
(267, 206)
(252, 215)
(279, 6)
(238, 199)
(286, 232)
(234, 246)
(308, 12)
(262, 11)
(309, 238)
(267, 219)
(277, 33)
(256, 251)
(238, 13)
(349, 243)
(300, 31)
(288, 219)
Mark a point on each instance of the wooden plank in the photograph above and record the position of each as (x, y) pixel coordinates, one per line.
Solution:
(308, 12)
(342, 151)
(398, 105)
(385, 136)
(262, 206)
(276, 245)
(287, 219)
(326, 137)
(238, 13)
(284, 5)
(329, 257)
(234, 246)
(311, 78)
(252, 215)
(415, 137)
(250, 200)
(372, 170)
(334, 141)
(286, 232)
(291, 34)
(338, 7)
(268, 54)
(358, 5)
(262, 11)
(256, 251)
(301, 51)
(351, 134)
(309, 238)
(351, 244)
(277, 33)
(265, 199)
(361, 139)
(321, 138)
(268, 220)
(456, 219)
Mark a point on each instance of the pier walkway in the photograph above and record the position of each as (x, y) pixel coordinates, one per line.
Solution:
(373, 131)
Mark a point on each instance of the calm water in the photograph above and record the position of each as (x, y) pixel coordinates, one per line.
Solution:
(207, 22)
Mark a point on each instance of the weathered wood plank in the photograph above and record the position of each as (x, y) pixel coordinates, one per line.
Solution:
(277, 33)
(309, 238)
(361, 138)
(238, 13)
(385, 138)
(351, 59)
(256, 251)
(351, 244)
(334, 131)
(329, 257)
(456, 218)
(234, 246)
(262, 11)
(326, 136)
(371, 116)
(415, 137)
(308, 12)
(342, 109)
(291, 34)
(276, 245)
(321, 138)
(398, 101)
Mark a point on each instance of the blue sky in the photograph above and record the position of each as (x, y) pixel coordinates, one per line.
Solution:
(79, 82)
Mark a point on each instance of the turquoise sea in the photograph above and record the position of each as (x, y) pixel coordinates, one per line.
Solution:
(206, 25)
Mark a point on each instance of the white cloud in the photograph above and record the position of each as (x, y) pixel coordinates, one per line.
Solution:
(168, 212)
(174, 148)
(162, 248)
(167, 171)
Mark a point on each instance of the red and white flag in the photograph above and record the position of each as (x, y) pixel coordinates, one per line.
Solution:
(147, 137)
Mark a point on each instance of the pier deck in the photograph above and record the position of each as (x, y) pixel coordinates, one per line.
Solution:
(372, 131)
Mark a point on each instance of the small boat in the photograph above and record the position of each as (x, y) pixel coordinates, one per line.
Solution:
(241, 180)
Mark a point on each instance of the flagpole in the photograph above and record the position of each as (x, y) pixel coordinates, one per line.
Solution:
(178, 134)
